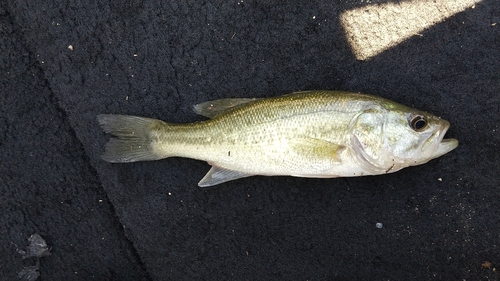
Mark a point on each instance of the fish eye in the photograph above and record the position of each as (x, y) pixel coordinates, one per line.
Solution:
(418, 123)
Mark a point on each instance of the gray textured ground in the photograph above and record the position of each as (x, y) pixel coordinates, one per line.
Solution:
(64, 63)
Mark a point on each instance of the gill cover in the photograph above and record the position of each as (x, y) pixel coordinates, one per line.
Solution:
(368, 139)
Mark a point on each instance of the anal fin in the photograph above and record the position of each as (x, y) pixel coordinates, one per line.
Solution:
(218, 175)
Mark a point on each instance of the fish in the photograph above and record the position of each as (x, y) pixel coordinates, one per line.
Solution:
(313, 134)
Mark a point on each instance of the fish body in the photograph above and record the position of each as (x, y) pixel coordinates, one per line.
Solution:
(318, 134)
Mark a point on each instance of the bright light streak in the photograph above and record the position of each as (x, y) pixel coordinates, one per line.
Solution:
(373, 29)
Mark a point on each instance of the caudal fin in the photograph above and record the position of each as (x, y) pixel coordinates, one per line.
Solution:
(134, 138)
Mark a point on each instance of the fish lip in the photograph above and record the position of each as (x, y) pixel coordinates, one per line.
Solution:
(443, 129)
(444, 145)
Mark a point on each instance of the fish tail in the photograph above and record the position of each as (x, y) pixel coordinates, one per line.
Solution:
(134, 138)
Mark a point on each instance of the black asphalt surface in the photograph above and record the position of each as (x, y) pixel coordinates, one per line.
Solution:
(63, 63)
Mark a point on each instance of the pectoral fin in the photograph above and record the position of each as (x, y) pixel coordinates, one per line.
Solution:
(213, 108)
(218, 175)
(316, 149)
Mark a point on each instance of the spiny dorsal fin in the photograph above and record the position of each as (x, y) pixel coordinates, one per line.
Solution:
(213, 108)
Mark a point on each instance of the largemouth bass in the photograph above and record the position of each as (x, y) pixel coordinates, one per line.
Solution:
(317, 134)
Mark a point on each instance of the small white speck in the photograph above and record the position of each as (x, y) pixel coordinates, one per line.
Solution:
(70, 47)
(170, 193)
(314, 17)
(440, 179)
(379, 225)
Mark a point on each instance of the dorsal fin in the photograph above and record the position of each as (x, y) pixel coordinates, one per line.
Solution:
(213, 108)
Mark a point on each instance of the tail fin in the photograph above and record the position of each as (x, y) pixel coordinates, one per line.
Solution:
(133, 142)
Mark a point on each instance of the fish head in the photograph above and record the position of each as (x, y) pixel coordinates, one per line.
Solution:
(414, 137)
(389, 137)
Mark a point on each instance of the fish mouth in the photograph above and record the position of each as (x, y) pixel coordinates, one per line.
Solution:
(443, 145)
